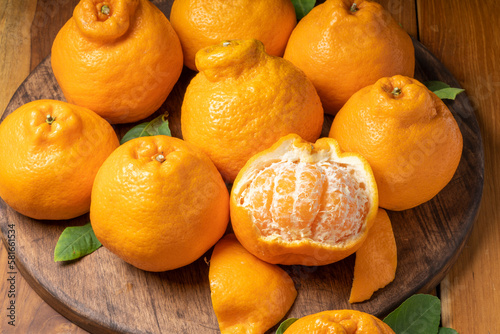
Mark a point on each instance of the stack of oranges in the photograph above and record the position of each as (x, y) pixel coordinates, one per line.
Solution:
(251, 117)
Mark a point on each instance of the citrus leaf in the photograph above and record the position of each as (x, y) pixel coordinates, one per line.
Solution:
(418, 314)
(443, 90)
(285, 324)
(302, 7)
(157, 126)
(443, 330)
(76, 242)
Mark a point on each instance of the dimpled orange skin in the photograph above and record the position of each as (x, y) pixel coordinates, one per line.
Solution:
(339, 322)
(343, 51)
(294, 213)
(411, 140)
(243, 100)
(201, 23)
(47, 170)
(122, 66)
(248, 295)
(159, 203)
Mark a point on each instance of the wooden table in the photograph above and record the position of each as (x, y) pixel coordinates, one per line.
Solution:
(462, 34)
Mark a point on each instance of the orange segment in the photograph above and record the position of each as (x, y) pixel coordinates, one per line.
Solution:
(376, 260)
(303, 203)
(248, 295)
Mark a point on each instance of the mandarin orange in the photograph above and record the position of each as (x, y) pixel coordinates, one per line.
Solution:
(159, 203)
(407, 134)
(201, 23)
(243, 100)
(339, 322)
(51, 152)
(120, 58)
(303, 203)
(345, 45)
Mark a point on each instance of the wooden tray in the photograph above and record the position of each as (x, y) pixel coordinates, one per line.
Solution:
(103, 294)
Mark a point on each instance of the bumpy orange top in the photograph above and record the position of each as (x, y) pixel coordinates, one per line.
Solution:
(120, 58)
(244, 100)
(201, 23)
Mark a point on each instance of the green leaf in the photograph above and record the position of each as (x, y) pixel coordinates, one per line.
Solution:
(158, 126)
(418, 314)
(442, 90)
(285, 324)
(302, 7)
(443, 330)
(76, 242)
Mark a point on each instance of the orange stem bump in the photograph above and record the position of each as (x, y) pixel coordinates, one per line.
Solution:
(396, 91)
(105, 10)
(49, 119)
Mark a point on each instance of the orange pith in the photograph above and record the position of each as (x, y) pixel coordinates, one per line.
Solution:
(303, 203)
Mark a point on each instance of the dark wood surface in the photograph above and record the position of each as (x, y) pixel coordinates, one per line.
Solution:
(460, 33)
(103, 294)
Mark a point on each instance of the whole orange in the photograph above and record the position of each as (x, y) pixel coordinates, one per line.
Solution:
(120, 58)
(201, 23)
(408, 136)
(339, 322)
(248, 295)
(343, 46)
(303, 203)
(159, 203)
(51, 151)
(243, 100)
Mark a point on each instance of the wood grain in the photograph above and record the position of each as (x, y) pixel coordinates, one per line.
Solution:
(15, 19)
(463, 35)
(114, 297)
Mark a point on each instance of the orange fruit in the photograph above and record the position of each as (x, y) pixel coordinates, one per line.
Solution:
(248, 295)
(339, 322)
(343, 46)
(120, 58)
(51, 152)
(376, 260)
(159, 203)
(202, 23)
(408, 136)
(303, 203)
(243, 100)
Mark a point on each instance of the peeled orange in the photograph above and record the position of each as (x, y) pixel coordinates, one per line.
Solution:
(303, 203)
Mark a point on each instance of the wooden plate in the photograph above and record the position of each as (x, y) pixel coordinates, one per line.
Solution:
(103, 294)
